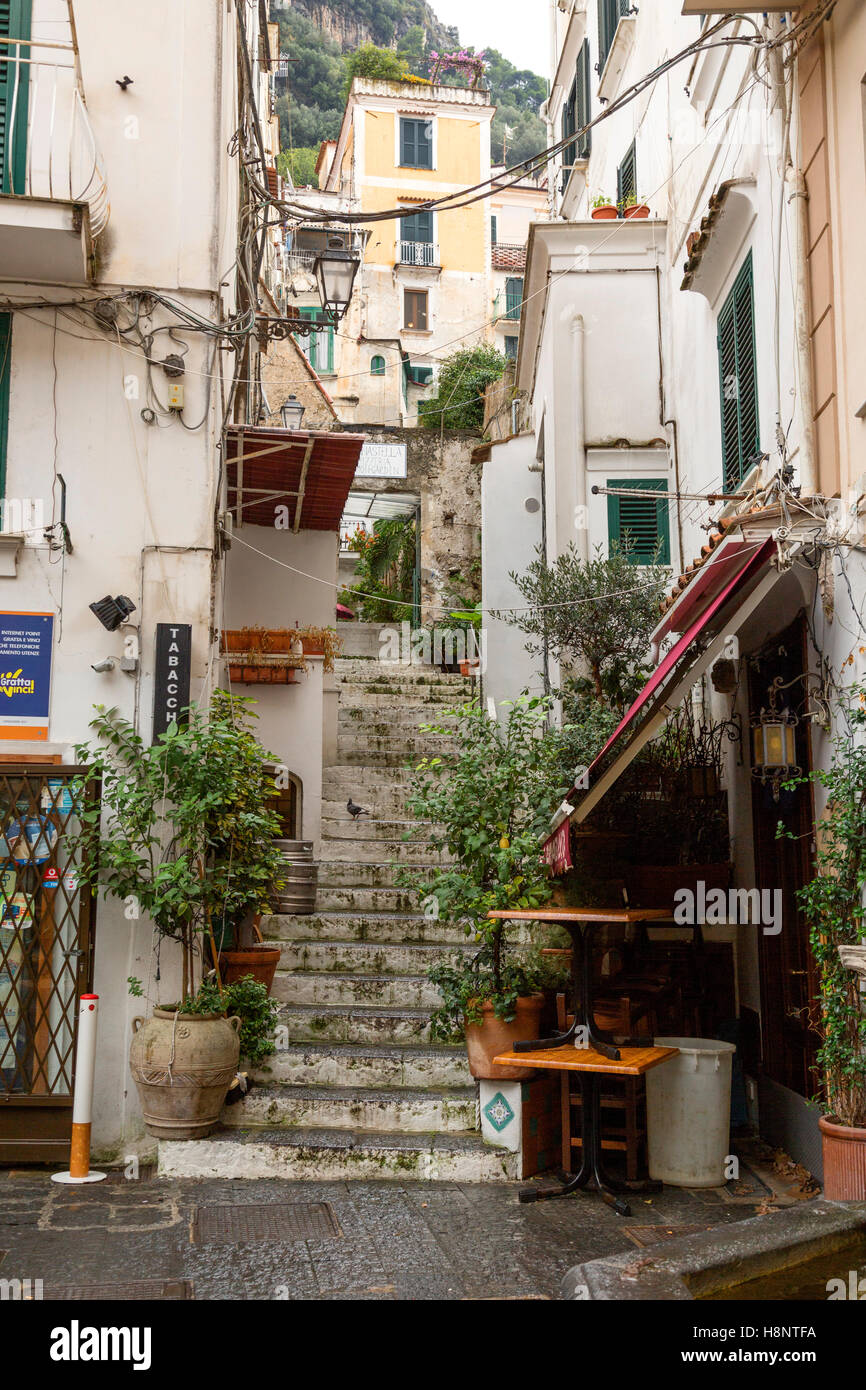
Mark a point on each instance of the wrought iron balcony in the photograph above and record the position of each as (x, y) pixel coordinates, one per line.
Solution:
(417, 253)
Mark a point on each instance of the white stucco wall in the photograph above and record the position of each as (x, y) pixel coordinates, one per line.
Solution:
(509, 536)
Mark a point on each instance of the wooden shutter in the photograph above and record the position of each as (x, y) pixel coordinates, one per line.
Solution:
(639, 521)
(582, 102)
(15, 24)
(5, 375)
(610, 12)
(738, 378)
(513, 296)
(417, 227)
(318, 347)
(407, 143)
(626, 176)
(416, 146)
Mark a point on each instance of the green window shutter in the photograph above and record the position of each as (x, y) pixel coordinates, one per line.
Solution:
(583, 102)
(610, 12)
(511, 348)
(14, 96)
(568, 127)
(493, 231)
(318, 347)
(416, 145)
(5, 377)
(626, 176)
(377, 366)
(513, 296)
(738, 378)
(639, 521)
(418, 226)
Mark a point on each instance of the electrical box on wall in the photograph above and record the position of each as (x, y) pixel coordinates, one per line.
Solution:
(175, 395)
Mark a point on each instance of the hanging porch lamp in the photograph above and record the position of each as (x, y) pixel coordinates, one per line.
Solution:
(774, 747)
(335, 269)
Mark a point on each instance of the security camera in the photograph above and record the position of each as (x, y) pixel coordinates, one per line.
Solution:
(106, 664)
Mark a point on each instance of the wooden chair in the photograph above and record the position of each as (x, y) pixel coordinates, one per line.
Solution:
(623, 1099)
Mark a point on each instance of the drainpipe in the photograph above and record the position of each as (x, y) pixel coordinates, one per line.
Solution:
(578, 338)
(802, 326)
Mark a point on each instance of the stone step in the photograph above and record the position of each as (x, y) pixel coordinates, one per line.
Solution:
(356, 1064)
(362, 671)
(371, 926)
(371, 1024)
(327, 988)
(375, 851)
(353, 898)
(340, 782)
(367, 828)
(378, 958)
(384, 758)
(404, 743)
(384, 719)
(385, 804)
(385, 1110)
(321, 1155)
(430, 702)
(344, 873)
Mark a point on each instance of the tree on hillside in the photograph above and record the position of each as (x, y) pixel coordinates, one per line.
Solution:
(300, 165)
(459, 400)
(370, 61)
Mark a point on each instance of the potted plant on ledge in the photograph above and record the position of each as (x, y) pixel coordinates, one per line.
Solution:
(184, 835)
(833, 904)
(488, 803)
(603, 210)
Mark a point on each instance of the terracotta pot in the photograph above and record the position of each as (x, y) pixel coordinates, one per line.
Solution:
(182, 1065)
(844, 1150)
(641, 210)
(485, 1040)
(259, 960)
(606, 213)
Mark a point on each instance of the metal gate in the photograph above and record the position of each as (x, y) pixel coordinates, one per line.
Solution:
(46, 955)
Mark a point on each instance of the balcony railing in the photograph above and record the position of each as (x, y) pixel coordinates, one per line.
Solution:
(417, 253)
(51, 151)
(508, 256)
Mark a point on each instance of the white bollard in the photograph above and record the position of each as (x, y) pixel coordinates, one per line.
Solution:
(82, 1103)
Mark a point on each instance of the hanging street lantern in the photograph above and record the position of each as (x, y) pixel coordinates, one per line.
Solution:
(774, 747)
(335, 269)
(292, 413)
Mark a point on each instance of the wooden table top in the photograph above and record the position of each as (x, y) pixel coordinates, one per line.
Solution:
(584, 914)
(634, 1061)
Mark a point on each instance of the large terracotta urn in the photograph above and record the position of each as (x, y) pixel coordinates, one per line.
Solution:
(182, 1065)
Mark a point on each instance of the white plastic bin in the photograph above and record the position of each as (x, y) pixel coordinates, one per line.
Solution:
(689, 1113)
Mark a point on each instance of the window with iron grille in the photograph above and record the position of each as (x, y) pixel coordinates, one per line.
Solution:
(5, 374)
(319, 346)
(610, 12)
(640, 523)
(415, 310)
(738, 378)
(14, 95)
(513, 296)
(626, 178)
(511, 348)
(416, 143)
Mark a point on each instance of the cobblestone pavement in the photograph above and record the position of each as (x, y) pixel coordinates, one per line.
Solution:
(392, 1240)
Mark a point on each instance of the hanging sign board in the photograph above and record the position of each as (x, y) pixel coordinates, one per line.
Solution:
(171, 677)
(25, 674)
(382, 461)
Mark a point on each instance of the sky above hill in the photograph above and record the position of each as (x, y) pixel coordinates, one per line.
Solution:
(519, 29)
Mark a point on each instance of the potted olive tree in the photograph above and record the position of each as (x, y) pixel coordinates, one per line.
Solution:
(184, 835)
(834, 906)
(489, 803)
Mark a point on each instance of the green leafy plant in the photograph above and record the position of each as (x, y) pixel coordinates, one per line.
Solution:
(185, 830)
(462, 381)
(601, 200)
(249, 999)
(489, 803)
(833, 903)
(385, 569)
(465, 988)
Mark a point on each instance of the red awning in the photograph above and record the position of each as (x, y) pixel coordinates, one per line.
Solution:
(307, 471)
(683, 665)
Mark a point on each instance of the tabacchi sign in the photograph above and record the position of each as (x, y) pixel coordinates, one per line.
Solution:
(171, 678)
(25, 674)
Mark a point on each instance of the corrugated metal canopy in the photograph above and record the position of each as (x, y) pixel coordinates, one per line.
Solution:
(308, 471)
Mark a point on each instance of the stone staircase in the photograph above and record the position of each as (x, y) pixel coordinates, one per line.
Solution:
(360, 1090)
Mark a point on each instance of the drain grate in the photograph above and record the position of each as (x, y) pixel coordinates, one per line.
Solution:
(231, 1225)
(171, 1290)
(653, 1235)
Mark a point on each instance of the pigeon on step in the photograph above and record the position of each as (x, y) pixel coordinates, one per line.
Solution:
(355, 811)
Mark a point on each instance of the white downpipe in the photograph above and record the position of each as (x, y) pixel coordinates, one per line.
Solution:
(802, 336)
(578, 341)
